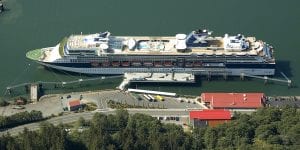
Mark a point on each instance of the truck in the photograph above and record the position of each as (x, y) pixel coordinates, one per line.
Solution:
(147, 97)
(159, 98)
(152, 98)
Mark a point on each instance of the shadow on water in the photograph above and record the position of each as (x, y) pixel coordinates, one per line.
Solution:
(163, 85)
(74, 74)
(283, 66)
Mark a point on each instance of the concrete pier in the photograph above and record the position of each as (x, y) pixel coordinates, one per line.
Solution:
(156, 77)
(34, 92)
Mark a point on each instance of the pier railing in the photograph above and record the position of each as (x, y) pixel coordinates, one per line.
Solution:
(61, 83)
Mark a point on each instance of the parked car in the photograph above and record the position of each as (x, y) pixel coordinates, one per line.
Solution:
(19, 107)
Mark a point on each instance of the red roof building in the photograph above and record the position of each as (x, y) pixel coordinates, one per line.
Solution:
(74, 105)
(233, 100)
(209, 117)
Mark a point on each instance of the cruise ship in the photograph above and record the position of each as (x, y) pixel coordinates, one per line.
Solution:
(198, 53)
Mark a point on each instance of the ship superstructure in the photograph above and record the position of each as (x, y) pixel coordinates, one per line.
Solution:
(197, 52)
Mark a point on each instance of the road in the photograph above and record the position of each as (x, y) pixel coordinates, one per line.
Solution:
(88, 115)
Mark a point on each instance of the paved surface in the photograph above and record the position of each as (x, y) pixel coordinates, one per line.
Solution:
(156, 77)
(88, 115)
(283, 101)
(50, 105)
(54, 104)
(101, 98)
(160, 77)
(177, 108)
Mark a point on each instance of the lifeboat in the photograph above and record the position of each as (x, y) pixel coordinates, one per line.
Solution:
(157, 64)
(125, 63)
(94, 64)
(115, 63)
(148, 64)
(136, 64)
(197, 64)
(168, 64)
(105, 64)
(188, 64)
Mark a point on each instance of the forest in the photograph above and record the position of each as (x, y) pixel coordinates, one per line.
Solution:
(20, 118)
(267, 128)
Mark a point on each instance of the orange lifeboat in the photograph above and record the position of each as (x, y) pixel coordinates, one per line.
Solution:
(157, 64)
(198, 64)
(168, 63)
(115, 63)
(125, 63)
(136, 64)
(95, 64)
(188, 64)
(105, 64)
(148, 64)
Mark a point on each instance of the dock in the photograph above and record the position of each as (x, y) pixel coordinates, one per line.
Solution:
(1, 7)
(156, 77)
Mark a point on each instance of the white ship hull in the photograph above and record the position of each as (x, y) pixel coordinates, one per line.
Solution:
(200, 71)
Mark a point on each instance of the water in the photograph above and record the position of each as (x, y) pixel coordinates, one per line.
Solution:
(40, 23)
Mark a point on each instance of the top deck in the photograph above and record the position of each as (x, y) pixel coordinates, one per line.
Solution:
(197, 42)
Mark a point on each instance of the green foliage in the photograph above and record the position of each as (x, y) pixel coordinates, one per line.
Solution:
(139, 131)
(267, 128)
(90, 106)
(3, 103)
(20, 118)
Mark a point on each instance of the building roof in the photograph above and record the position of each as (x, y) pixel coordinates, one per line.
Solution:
(210, 114)
(74, 103)
(233, 100)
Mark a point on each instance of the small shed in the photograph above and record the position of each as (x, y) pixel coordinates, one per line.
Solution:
(209, 117)
(74, 105)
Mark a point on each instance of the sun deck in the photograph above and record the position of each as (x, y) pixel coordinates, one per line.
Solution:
(155, 45)
(196, 43)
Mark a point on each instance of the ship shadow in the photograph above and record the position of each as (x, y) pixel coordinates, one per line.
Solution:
(284, 67)
(165, 85)
(75, 74)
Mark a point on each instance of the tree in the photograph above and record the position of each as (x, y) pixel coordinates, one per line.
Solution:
(52, 137)
(198, 140)
(81, 122)
(8, 142)
(121, 118)
(3, 102)
(99, 132)
(210, 138)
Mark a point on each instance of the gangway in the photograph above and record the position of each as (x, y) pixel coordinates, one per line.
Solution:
(266, 79)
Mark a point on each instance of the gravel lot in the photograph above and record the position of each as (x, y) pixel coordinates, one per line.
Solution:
(49, 105)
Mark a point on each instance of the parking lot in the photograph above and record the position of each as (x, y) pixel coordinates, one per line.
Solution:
(102, 97)
(50, 105)
(55, 104)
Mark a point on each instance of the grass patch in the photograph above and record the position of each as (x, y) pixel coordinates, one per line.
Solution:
(90, 106)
